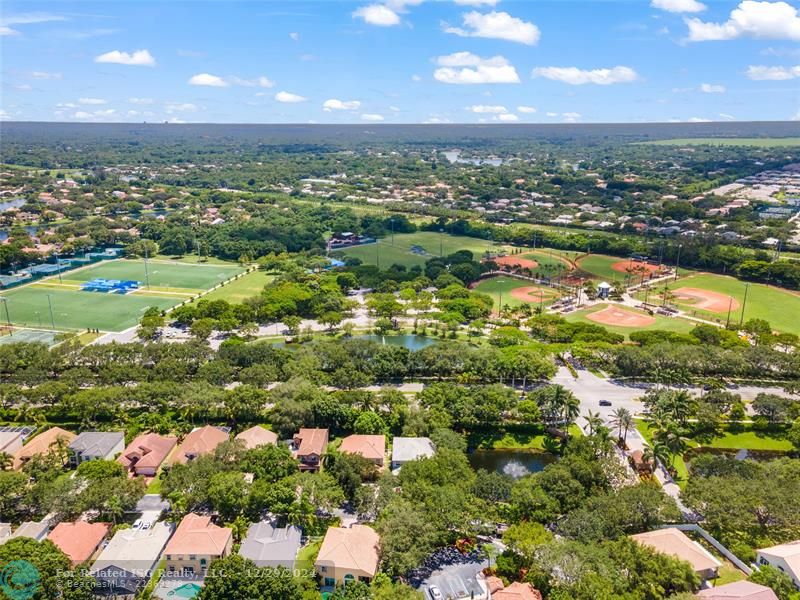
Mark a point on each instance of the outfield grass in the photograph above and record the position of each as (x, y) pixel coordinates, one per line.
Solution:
(600, 265)
(500, 287)
(547, 257)
(246, 286)
(756, 142)
(160, 274)
(432, 242)
(778, 306)
(663, 323)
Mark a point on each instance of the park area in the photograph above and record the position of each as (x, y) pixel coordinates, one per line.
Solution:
(412, 249)
(63, 305)
(710, 296)
(514, 292)
(626, 320)
(613, 268)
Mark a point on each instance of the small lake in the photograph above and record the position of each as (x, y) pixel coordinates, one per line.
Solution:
(515, 463)
(454, 156)
(410, 341)
(9, 204)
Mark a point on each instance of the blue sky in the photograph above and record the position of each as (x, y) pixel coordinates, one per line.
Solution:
(400, 61)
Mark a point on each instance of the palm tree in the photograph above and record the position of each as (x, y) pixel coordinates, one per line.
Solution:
(622, 419)
(593, 421)
(655, 453)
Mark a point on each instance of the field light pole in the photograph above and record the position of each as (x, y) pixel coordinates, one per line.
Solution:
(146, 273)
(4, 300)
(441, 243)
(744, 303)
(50, 306)
(678, 261)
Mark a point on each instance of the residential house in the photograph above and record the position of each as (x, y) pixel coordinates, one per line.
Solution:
(10, 441)
(127, 563)
(515, 591)
(197, 542)
(44, 443)
(36, 530)
(406, 449)
(79, 540)
(348, 554)
(95, 445)
(5, 532)
(675, 543)
(784, 557)
(270, 546)
(257, 436)
(144, 455)
(371, 447)
(309, 446)
(739, 590)
(203, 440)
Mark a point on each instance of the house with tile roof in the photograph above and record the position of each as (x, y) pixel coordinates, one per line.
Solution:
(196, 542)
(36, 530)
(784, 557)
(674, 542)
(96, 445)
(406, 449)
(203, 440)
(371, 447)
(144, 455)
(270, 546)
(79, 540)
(739, 590)
(517, 591)
(257, 436)
(348, 554)
(44, 443)
(308, 446)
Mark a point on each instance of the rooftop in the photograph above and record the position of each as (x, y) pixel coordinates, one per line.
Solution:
(147, 450)
(80, 539)
(312, 441)
(354, 548)
(257, 436)
(740, 590)
(267, 545)
(198, 535)
(203, 440)
(405, 449)
(675, 543)
(372, 447)
(96, 443)
(41, 444)
(134, 548)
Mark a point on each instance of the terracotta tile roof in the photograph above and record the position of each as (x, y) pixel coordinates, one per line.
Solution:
(354, 548)
(80, 539)
(257, 436)
(312, 441)
(203, 440)
(41, 444)
(740, 590)
(198, 535)
(675, 543)
(518, 591)
(372, 447)
(147, 450)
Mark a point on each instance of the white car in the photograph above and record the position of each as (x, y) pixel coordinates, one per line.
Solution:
(434, 593)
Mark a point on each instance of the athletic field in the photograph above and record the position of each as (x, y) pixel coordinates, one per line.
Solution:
(514, 292)
(246, 286)
(614, 268)
(625, 320)
(50, 303)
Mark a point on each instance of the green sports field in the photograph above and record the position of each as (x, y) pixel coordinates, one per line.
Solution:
(663, 323)
(778, 306)
(246, 286)
(162, 274)
(500, 289)
(753, 142)
(427, 244)
(547, 257)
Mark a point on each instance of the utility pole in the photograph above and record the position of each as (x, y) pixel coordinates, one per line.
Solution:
(744, 303)
(728, 320)
(8, 318)
(441, 243)
(58, 264)
(50, 305)
(678, 261)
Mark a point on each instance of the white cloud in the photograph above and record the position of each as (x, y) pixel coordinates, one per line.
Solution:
(571, 117)
(727, 117)
(44, 75)
(487, 109)
(91, 101)
(710, 88)
(97, 115)
(289, 98)
(526, 109)
(22, 87)
(394, 108)
(552, 114)
(4, 115)
(476, 2)
(294, 36)
(137, 58)
(140, 100)
(371, 117)
(66, 105)
(377, 14)
(132, 113)
(576, 76)
(679, 6)
(698, 120)
(336, 104)
(506, 118)
(436, 120)
(497, 25)
(764, 73)
(173, 107)
(262, 81)
(25, 19)
(4, 31)
(764, 20)
(416, 78)
(82, 114)
(473, 69)
(208, 80)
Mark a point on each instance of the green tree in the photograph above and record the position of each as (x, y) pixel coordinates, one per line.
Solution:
(237, 578)
(778, 582)
(54, 574)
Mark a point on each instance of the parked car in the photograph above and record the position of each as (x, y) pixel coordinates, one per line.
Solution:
(605, 402)
(435, 593)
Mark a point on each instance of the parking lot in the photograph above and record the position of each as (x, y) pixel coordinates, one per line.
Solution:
(458, 581)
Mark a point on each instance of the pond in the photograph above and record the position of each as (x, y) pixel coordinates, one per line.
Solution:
(410, 341)
(515, 463)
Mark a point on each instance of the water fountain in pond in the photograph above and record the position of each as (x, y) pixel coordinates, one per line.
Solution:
(515, 469)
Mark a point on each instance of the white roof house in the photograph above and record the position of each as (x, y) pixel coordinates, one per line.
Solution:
(406, 449)
(784, 557)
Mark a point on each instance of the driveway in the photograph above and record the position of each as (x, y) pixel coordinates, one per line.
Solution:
(458, 581)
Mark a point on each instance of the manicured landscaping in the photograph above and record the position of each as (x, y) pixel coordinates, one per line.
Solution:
(160, 273)
(246, 286)
(501, 289)
(663, 323)
(307, 555)
(533, 439)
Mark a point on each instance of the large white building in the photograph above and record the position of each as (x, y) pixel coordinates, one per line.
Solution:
(784, 557)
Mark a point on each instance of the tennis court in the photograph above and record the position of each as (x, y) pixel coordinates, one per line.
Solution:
(17, 336)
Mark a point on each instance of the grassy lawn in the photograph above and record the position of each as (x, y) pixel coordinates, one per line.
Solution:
(728, 574)
(155, 485)
(194, 259)
(776, 305)
(664, 323)
(307, 555)
(499, 288)
(546, 256)
(247, 286)
(431, 243)
(529, 440)
(160, 273)
(756, 142)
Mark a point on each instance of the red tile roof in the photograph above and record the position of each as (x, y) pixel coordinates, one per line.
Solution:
(198, 535)
(148, 450)
(80, 539)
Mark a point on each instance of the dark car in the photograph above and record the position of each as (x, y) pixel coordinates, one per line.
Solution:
(605, 402)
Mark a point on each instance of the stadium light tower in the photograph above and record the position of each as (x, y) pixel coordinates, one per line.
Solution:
(50, 305)
(146, 274)
(4, 300)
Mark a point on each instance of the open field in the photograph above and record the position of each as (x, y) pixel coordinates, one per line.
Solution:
(778, 306)
(515, 440)
(246, 286)
(613, 268)
(514, 292)
(753, 142)
(428, 244)
(657, 322)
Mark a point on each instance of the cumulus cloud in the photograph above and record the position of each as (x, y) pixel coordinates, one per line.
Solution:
(262, 81)
(679, 6)
(294, 36)
(487, 109)
(466, 68)
(698, 120)
(140, 100)
(436, 120)
(727, 117)
(497, 25)
(371, 117)
(506, 118)
(173, 107)
(709, 88)
(764, 20)
(91, 101)
(526, 109)
(289, 98)
(571, 117)
(764, 73)
(44, 75)
(208, 80)
(476, 2)
(137, 58)
(377, 14)
(576, 76)
(336, 104)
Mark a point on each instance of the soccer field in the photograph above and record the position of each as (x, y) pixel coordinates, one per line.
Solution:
(160, 274)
